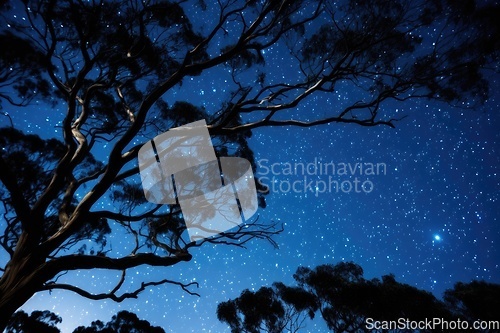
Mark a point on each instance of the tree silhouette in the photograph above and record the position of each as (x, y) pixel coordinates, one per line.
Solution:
(122, 322)
(276, 309)
(345, 300)
(46, 321)
(37, 321)
(477, 300)
(112, 66)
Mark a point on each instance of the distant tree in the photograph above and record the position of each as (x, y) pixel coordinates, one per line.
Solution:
(477, 300)
(273, 310)
(37, 321)
(115, 68)
(341, 295)
(346, 299)
(46, 321)
(122, 322)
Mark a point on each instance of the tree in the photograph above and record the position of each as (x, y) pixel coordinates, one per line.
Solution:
(122, 322)
(477, 300)
(37, 321)
(345, 300)
(46, 321)
(273, 309)
(112, 66)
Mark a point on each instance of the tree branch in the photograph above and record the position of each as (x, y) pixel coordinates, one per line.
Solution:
(74, 262)
(112, 295)
(126, 218)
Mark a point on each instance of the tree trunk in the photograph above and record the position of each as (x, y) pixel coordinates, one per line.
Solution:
(21, 280)
(14, 292)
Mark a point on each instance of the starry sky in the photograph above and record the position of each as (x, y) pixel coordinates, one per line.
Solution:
(430, 216)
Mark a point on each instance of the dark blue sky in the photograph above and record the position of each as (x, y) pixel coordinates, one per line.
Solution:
(431, 218)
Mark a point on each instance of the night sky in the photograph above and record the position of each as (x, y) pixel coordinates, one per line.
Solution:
(430, 216)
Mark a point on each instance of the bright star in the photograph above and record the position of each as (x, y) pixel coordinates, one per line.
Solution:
(437, 237)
